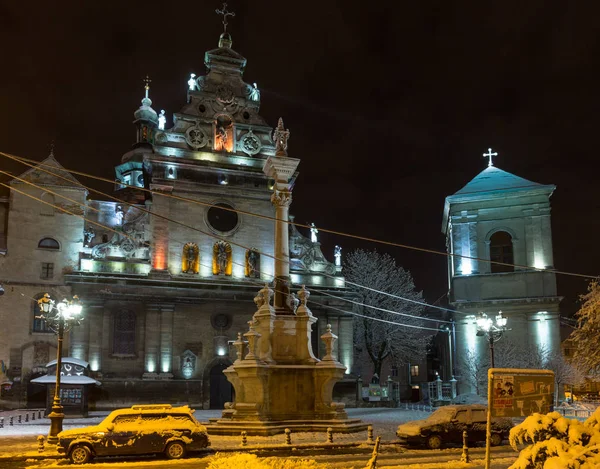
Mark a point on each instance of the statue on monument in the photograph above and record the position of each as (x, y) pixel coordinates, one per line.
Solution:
(192, 82)
(255, 93)
(313, 233)
(337, 254)
(162, 120)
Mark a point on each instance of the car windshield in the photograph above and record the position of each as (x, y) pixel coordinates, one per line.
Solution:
(443, 414)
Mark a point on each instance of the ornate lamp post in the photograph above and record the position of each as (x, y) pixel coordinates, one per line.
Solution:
(59, 317)
(493, 330)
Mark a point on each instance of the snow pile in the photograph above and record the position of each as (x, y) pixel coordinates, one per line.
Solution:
(251, 461)
(556, 442)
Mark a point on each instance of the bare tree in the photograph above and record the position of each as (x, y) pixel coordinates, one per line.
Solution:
(585, 336)
(383, 340)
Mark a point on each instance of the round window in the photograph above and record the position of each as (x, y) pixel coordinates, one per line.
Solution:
(222, 218)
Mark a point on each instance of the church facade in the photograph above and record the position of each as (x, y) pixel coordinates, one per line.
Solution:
(168, 271)
(498, 235)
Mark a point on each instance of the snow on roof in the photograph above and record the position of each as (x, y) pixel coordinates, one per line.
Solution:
(47, 379)
(74, 361)
(496, 179)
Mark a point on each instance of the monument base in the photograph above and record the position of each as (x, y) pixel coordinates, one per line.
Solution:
(267, 428)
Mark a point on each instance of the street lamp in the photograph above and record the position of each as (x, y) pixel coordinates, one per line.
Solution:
(493, 330)
(59, 317)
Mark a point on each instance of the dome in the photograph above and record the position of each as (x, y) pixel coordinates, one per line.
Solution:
(145, 112)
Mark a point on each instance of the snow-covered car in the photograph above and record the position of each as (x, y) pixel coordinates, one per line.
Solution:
(142, 429)
(446, 425)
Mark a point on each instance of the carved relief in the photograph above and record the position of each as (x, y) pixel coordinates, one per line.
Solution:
(188, 364)
(250, 143)
(281, 198)
(223, 133)
(195, 137)
(190, 258)
(222, 264)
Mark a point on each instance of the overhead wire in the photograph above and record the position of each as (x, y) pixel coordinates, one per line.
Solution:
(137, 207)
(324, 230)
(256, 282)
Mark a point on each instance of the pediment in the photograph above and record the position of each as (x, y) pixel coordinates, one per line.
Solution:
(41, 175)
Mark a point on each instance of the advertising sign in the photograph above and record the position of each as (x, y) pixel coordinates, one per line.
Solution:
(520, 392)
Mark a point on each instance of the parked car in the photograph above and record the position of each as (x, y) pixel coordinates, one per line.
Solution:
(142, 429)
(446, 425)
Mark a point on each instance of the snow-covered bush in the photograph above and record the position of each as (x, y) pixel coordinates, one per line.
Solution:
(556, 442)
(251, 461)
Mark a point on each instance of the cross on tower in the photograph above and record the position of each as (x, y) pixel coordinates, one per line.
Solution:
(147, 84)
(489, 155)
(225, 14)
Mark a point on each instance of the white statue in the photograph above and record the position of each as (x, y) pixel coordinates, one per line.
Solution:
(119, 215)
(313, 233)
(162, 120)
(192, 82)
(337, 254)
(255, 93)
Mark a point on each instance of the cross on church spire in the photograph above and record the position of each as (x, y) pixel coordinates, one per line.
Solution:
(147, 84)
(225, 14)
(489, 155)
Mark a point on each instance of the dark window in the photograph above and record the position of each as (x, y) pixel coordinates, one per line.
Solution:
(48, 243)
(39, 325)
(394, 371)
(222, 220)
(47, 270)
(501, 250)
(124, 333)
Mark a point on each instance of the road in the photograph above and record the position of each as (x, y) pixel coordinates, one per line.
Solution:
(503, 455)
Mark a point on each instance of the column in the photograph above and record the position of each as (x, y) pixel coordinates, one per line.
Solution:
(160, 231)
(152, 341)
(79, 338)
(94, 316)
(547, 241)
(166, 340)
(346, 343)
(281, 199)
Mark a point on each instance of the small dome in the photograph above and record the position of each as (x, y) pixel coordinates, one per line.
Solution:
(225, 40)
(145, 112)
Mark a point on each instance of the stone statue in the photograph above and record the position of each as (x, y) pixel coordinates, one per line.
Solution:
(192, 82)
(221, 136)
(313, 233)
(222, 258)
(252, 264)
(88, 235)
(119, 215)
(162, 120)
(255, 93)
(337, 254)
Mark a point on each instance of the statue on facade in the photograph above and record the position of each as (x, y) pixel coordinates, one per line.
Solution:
(252, 261)
(221, 258)
(189, 263)
(192, 82)
(88, 235)
(313, 233)
(162, 120)
(255, 93)
(337, 254)
(119, 215)
(221, 137)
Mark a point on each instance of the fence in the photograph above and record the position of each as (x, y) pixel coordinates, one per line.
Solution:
(438, 391)
(577, 411)
(17, 417)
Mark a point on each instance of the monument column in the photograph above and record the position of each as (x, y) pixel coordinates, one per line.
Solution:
(281, 168)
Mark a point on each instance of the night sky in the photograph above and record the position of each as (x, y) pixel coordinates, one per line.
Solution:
(390, 104)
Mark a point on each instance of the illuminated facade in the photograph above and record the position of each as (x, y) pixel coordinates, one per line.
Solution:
(505, 219)
(167, 283)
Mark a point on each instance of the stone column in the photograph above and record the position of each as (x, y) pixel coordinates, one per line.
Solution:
(346, 343)
(160, 231)
(106, 348)
(152, 342)
(94, 319)
(166, 340)
(79, 338)
(547, 241)
(281, 169)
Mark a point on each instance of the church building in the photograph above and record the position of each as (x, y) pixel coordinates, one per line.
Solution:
(166, 273)
(498, 235)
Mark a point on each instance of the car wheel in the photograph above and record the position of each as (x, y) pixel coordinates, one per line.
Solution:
(175, 450)
(434, 442)
(80, 454)
(496, 439)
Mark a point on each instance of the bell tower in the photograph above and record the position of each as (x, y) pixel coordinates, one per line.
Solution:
(499, 241)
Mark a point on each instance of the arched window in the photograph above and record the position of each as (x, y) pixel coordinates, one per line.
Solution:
(49, 243)
(124, 333)
(501, 250)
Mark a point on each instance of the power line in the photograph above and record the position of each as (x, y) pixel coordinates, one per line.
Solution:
(235, 244)
(204, 265)
(324, 230)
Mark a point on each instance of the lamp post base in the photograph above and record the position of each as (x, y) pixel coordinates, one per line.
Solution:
(56, 422)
